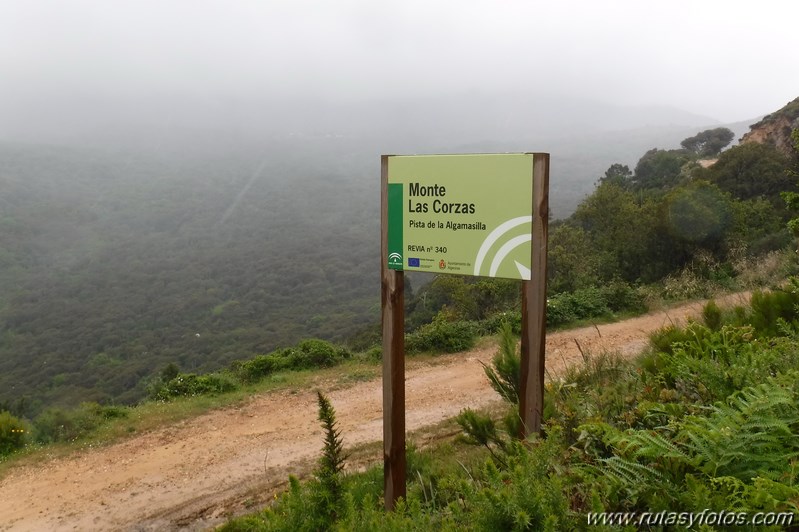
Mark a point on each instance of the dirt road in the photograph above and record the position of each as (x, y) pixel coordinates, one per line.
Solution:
(194, 474)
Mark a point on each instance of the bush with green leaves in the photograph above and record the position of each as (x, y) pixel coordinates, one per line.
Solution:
(60, 425)
(606, 386)
(315, 353)
(504, 376)
(738, 454)
(578, 305)
(493, 324)
(771, 310)
(13, 433)
(525, 495)
(594, 302)
(190, 385)
(711, 315)
(714, 364)
(623, 297)
(256, 368)
(442, 336)
(308, 354)
(480, 429)
(504, 373)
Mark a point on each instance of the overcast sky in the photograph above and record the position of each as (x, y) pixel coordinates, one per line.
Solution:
(731, 60)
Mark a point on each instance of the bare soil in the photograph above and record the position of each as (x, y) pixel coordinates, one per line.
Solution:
(197, 473)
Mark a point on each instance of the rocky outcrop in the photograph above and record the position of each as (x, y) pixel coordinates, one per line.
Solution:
(775, 129)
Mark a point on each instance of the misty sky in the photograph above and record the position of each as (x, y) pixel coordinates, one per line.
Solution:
(731, 60)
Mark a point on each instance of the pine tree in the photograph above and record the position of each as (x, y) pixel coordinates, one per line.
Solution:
(328, 472)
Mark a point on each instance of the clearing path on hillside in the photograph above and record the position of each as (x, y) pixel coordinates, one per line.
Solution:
(194, 474)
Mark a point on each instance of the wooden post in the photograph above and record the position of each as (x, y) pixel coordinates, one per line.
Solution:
(534, 297)
(393, 318)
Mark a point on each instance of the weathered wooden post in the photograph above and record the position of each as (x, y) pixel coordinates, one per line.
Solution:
(534, 304)
(393, 318)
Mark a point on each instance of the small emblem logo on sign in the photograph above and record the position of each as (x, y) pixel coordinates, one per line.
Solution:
(395, 259)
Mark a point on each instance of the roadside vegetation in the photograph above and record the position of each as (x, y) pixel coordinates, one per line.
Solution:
(707, 418)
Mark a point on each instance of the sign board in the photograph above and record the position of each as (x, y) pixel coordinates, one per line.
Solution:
(479, 214)
(461, 214)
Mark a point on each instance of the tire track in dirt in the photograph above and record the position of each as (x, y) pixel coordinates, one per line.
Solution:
(193, 474)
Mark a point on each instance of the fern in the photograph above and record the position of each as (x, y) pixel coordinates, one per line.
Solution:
(631, 472)
(753, 435)
(645, 444)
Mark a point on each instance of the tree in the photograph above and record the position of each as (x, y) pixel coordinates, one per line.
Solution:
(695, 217)
(618, 174)
(573, 261)
(792, 198)
(504, 373)
(758, 227)
(751, 170)
(621, 227)
(659, 169)
(328, 472)
(708, 143)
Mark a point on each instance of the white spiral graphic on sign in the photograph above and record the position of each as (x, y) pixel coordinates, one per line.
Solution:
(491, 239)
(507, 248)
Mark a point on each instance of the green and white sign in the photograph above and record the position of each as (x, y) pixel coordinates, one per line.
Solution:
(461, 214)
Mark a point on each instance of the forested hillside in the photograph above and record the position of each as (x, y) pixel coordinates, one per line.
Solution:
(211, 248)
(114, 267)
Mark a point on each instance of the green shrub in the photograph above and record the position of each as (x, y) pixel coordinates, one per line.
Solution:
(169, 372)
(493, 324)
(442, 336)
(308, 354)
(526, 495)
(711, 315)
(375, 353)
(621, 297)
(588, 303)
(189, 385)
(256, 368)
(578, 305)
(569, 307)
(57, 424)
(606, 386)
(480, 429)
(315, 353)
(13, 433)
(504, 373)
(768, 308)
(713, 364)
(663, 340)
(736, 454)
(106, 411)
